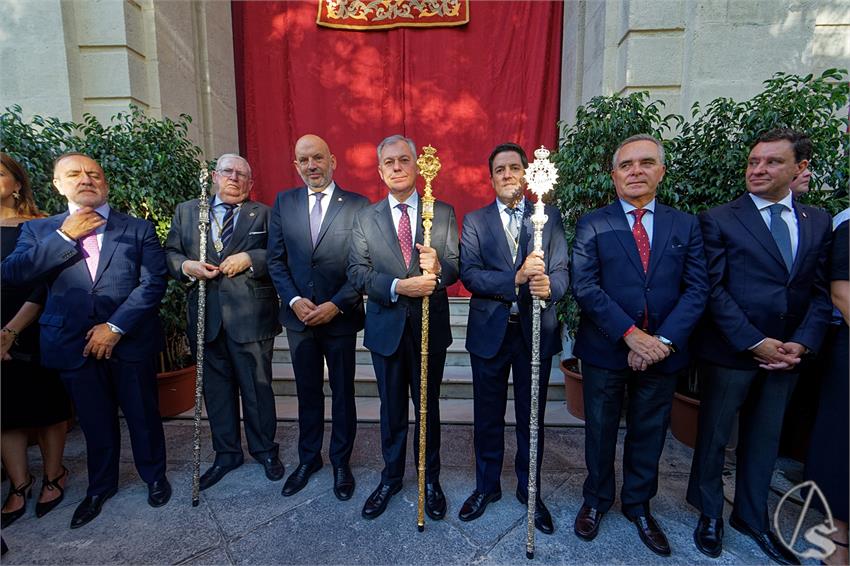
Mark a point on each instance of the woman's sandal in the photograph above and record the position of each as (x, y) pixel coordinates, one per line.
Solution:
(42, 509)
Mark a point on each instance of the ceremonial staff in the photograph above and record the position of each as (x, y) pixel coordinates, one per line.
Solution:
(429, 165)
(541, 176)
(203, 226)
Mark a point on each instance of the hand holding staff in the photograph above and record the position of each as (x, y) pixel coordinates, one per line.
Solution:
(429, 165)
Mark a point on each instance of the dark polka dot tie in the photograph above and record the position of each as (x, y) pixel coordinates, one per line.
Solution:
(641, 237)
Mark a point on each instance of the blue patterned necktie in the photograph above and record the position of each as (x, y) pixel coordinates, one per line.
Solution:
(781, 234)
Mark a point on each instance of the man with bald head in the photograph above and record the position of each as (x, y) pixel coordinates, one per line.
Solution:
(241, 316)
(308, 254)
(105, 276)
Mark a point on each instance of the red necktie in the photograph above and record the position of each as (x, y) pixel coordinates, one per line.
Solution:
(641, 237)
(405, 239)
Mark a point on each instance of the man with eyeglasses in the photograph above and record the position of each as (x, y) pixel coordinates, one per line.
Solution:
(241, 316)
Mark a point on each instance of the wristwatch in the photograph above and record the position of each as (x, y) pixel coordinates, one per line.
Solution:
(666, 342)
(114, 329)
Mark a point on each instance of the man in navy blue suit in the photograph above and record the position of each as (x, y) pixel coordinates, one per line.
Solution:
(308, 254)
(105, 275)
(499, 266)
(391, 265)
(639, 277)
(767, 259)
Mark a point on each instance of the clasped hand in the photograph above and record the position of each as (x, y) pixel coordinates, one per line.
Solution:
(231, 266)
(533, 272)
(644, 350)
(775, 355)
(314, 315)
(425, 284)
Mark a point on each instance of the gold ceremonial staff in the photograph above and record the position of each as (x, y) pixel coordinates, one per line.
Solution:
(203, 226)
(429, 165)
(541, 176)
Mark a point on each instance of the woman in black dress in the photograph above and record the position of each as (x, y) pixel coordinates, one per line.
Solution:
(827, 463)
(33, 398)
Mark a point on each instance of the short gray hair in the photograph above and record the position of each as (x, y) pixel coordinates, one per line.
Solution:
(635, 138)
(224, 156)
(393, 139)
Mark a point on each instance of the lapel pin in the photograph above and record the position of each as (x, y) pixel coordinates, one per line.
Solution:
(252, 214)
(339, 199)
(805, 215)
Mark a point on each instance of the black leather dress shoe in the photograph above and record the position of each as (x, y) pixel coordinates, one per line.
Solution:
(542, 517)
(651, 534)
(377, 502)
(708, 536)
(768, 542)
(159, 492)
(214, 475)
(587, 522)
(435, 501)
(274, 467)
(89, 508)
(343, 482)
(476, 504)
(298, 479)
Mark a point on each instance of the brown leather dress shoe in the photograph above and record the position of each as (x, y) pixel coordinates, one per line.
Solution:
(651, 534)
(587, 522)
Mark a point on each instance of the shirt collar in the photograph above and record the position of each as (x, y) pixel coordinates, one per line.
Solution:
(762, 203)
(328, 192)
(103, 209)
(502, 206)
(412, 201)
(627, 208)
(217, 201)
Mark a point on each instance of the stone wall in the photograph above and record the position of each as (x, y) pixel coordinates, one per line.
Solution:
(70, 57)
(686, 51)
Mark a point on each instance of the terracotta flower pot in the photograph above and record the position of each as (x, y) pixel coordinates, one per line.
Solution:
(574, 387)
(176, 391)
(684, 417)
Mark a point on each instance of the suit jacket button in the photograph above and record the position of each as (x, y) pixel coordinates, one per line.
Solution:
(310, 284)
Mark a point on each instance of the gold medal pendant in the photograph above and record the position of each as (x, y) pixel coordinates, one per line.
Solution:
(218, 246)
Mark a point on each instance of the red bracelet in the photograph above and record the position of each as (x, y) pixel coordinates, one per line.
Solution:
(631, 329)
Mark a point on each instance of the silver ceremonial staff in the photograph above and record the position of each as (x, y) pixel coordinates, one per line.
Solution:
(203, 226)
(541, 176)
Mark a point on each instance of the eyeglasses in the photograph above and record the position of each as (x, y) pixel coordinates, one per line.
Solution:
(240, 176)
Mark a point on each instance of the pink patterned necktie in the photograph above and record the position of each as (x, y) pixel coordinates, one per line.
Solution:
(405, 236)
(92, 252)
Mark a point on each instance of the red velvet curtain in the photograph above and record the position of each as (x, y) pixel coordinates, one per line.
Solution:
(462, 90)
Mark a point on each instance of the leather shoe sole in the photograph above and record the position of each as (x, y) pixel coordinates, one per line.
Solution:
(542, 517)
(159, 492)
(476, 504)
(343, 483)
(587, 522)
(90, 508)
(215, 474)
(377, 502)
(766, 541)
(299, 478)
(648, 530)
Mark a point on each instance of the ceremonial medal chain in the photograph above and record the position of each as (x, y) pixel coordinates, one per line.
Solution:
(217, 244)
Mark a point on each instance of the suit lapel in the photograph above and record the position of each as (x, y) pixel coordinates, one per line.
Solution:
(493, 221)
(115, 227)
(526, 234)
(620, 227)
(301, 216)
(804, 238)
(748, 214)
(384, 222)
(213, 256)
(336, 204)
(662, 225)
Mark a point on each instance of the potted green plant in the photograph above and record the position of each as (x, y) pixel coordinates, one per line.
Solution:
(151, 165)
(706, 156)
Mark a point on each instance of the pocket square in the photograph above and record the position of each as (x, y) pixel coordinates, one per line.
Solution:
(256, 233)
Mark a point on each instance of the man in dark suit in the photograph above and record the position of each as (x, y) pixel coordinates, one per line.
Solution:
(397, 276)
(499, 266)
(105, 276)
(308, 255)
(769, 305)
(639, 277)
(241, 316)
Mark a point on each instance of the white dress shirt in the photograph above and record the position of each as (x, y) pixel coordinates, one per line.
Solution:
(787, 215)
(648, 219)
